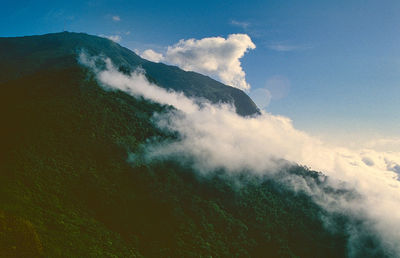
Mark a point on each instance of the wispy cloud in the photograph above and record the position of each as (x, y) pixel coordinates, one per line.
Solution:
(243, 25)
(285, 47)
(254, 144)
(262, 97)
(116, 18)
(115, 38)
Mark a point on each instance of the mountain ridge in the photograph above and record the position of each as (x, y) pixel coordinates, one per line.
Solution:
(70, 188)
(61, 50)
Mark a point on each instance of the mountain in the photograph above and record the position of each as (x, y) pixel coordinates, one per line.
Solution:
(67, 190)
(26, 55)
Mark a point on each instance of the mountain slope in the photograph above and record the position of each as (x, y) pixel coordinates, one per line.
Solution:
(64, 171)
(25, 55)
(66, 188)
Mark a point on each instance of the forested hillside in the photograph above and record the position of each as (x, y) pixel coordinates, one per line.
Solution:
(68, 188)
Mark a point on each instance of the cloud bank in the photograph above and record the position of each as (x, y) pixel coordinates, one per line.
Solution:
(214, 136)
(388, 144)
(215, 56)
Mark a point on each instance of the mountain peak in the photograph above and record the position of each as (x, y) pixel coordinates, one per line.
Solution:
(29, 54)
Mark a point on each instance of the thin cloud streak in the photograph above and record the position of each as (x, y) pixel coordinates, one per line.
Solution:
(282, 47)
(115, 38)
(243, 25)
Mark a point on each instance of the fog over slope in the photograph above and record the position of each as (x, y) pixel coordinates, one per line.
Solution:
(214, 136)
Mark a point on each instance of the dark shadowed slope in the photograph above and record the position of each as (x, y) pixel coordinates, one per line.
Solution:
(25, 55)
(67, 190)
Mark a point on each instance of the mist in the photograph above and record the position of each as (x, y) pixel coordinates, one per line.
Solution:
(215, 137)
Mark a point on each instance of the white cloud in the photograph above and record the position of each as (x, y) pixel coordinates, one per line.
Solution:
(215, 56)
(115, 38)
(116, 18)
(283, 47)
(152, 55)
(255, 143)
(243, 25)
(384, 144)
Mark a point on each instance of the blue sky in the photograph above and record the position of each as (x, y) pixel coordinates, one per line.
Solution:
(339, 60)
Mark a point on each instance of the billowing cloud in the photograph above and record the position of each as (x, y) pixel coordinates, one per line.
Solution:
(215, 56)
(115, 38)
(368, 161)
(254, 144)
(116, 18)
(152, 55)
(384, 144)
(392, 165)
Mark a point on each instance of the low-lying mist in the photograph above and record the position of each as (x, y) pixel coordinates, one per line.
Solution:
(215, 137)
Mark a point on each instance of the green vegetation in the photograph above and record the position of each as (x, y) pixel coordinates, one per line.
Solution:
(18, 238)
(65, 170)
(66, 188)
